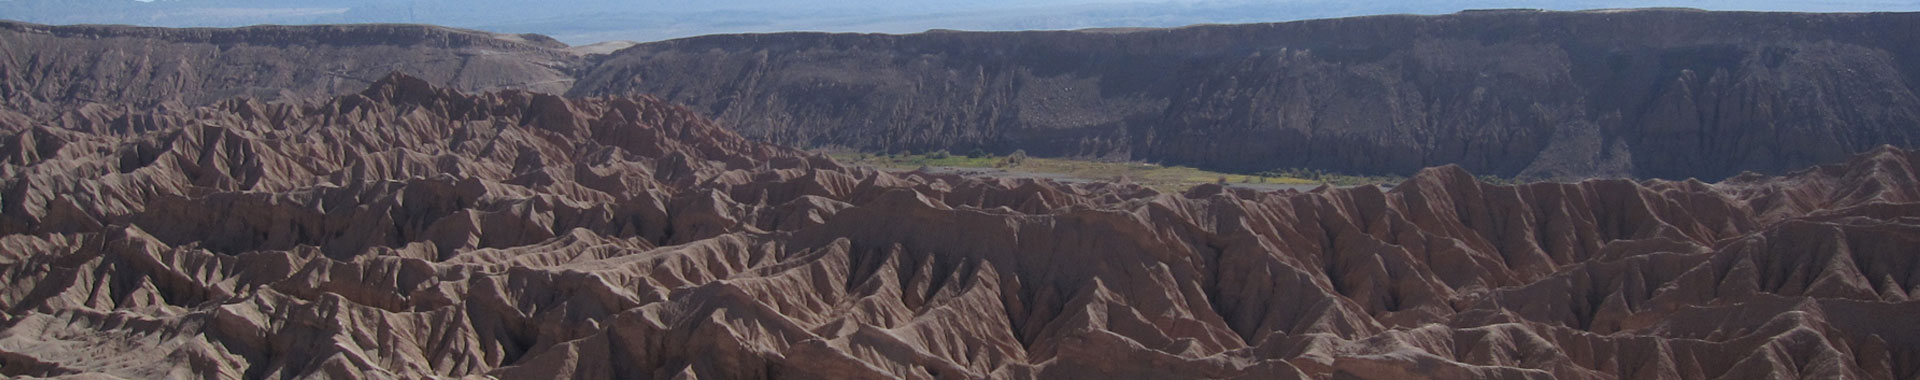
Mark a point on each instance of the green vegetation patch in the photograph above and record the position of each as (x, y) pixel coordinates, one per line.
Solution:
(1163, 178)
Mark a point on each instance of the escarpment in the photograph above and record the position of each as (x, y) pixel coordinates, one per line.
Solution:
(46, 70)
(1571, 95)
(415, 231)
(1656, 93)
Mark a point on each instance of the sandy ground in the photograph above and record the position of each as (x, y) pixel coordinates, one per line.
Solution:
(1063, 177)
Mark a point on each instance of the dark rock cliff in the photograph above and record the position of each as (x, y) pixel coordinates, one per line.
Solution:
(50, 69)
(1652, 93)
(1643, 93)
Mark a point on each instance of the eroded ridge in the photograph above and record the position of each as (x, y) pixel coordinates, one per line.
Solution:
(409, 231)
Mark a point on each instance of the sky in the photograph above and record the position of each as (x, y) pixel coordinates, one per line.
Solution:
(580, 22)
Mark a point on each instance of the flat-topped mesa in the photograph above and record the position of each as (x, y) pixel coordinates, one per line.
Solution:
(1557, 95)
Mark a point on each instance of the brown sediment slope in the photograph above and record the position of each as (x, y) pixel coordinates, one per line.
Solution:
(409, 231)
(45, 69)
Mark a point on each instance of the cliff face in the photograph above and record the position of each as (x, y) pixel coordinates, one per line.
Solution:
(409, 231)
(51, 69)
(1648, 93)
(1651, 93)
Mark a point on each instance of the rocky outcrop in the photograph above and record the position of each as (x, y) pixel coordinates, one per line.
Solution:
(1641, 93)
(409, 231)
(51, 69)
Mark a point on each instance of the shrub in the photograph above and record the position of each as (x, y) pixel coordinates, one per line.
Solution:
(1018, 157)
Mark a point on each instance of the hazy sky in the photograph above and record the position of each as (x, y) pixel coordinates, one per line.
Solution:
(588, 21)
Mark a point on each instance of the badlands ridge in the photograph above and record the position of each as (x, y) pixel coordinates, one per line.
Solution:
(412, 231)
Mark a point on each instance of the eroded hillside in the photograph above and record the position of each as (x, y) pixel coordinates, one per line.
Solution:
(410, 231)
(47, 70)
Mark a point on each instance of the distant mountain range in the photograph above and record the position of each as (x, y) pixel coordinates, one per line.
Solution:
(589, 21)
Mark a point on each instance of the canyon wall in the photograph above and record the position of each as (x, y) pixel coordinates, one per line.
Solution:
(1640, 93)
(1662, 93)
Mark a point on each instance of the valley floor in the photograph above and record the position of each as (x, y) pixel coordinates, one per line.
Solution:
(1159, 177)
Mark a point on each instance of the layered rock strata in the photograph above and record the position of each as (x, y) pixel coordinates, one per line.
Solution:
(46, 70)
(1622, 93)
(1655, 93)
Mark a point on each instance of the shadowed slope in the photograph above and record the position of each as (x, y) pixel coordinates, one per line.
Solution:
(1658, 93)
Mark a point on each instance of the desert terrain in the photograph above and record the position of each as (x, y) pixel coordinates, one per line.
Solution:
(407, 202)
